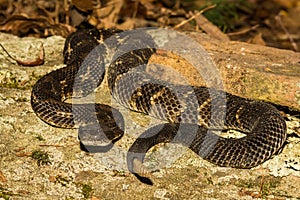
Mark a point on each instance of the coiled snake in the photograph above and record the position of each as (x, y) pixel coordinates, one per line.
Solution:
(188, 110)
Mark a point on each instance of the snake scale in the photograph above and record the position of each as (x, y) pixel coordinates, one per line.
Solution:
(188, 110)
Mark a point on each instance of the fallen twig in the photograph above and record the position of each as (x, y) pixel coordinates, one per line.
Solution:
(278, 19)
(243, 31)
(194, 16)
(29, 63)
(210, 28)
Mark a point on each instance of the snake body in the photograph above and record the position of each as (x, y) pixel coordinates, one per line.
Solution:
(193, 112)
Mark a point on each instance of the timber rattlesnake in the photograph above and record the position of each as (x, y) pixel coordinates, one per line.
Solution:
(187, 109)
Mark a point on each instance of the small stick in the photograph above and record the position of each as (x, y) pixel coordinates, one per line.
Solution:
(38, 61)
(194, 16)
(244, 31)
(278, 19)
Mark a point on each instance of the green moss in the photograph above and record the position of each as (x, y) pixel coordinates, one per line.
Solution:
(39, 137)
(41, 157)
(15, 85)
(246, 184)
(269, 184)
(70, 198)
(264, 89)
(13, 81)
(4, 194)
(21, 99)
(119, 173)
(62, 180)
(35, 76)
(265, 185)
(226, 13)
(87, 189)
(209, 181)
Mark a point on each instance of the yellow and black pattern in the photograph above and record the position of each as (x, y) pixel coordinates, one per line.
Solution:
(185, 108)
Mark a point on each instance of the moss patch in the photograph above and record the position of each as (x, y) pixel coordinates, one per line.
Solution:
(87, 189)
(262, 185)
(41, 157)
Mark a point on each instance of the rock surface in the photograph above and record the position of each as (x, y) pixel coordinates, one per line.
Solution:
(69, 173)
